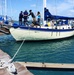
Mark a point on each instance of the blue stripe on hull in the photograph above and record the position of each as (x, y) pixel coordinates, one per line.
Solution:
(44, 29)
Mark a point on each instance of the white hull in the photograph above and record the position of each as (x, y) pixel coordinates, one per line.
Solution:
(27, 34)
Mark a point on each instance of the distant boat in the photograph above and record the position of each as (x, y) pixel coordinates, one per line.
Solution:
(4, 18)
(60, 27)
(5, 21)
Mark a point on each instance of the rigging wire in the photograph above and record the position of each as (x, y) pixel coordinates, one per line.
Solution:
(11, 8)
(1, 7)
(56, 7)
(73, 4)
(5, 7)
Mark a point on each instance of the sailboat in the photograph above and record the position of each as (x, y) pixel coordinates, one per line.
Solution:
(60, 27)
(4, 19)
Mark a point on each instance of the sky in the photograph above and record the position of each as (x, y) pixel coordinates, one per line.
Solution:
(56, 7)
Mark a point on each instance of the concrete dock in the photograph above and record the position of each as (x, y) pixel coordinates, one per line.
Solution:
(21, 70)
(47, 65)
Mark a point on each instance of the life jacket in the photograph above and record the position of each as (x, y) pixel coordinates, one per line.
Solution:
(48, 24)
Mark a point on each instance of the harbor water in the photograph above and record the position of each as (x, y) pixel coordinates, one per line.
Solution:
(59, 51)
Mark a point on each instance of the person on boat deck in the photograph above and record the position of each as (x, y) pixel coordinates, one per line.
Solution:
(20, 17)
(50, 22)
(5, 19)
(35, 23)
(25, 15)
(32, 14)
(38, 17)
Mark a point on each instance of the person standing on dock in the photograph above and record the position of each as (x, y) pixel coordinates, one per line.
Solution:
(25, 16)
(20, 17)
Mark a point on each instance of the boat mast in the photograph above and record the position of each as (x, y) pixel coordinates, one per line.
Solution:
(5, 7)
(44, 6)
(1, 8)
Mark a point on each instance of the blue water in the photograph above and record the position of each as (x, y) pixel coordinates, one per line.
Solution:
(59, 51)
